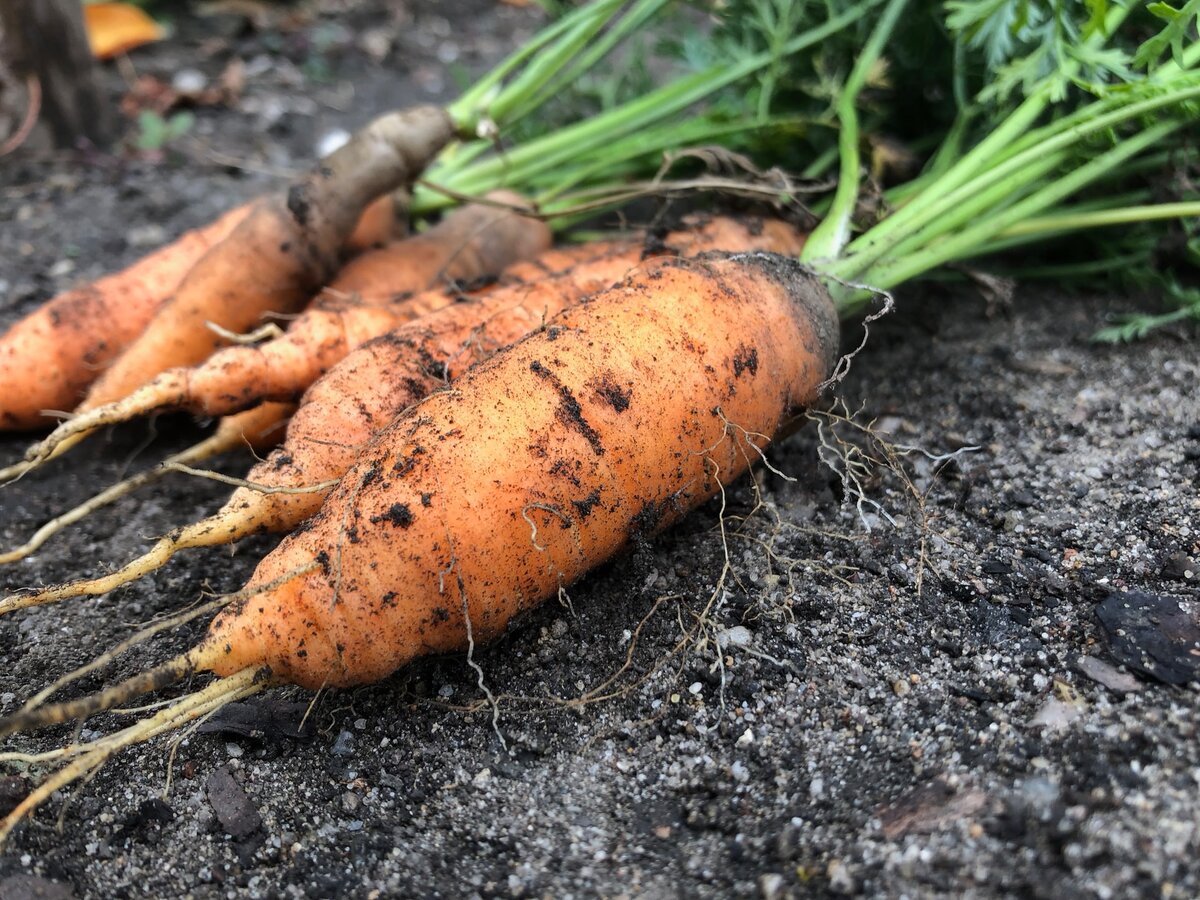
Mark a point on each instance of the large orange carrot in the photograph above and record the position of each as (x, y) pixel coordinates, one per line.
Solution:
(391, 373)
(537, 466)
(71, 338)
(491, 496)
(340, 413)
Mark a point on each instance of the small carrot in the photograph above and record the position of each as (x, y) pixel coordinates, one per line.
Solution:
(70, 339)
(73, 337)
(384, 220)
(475, 241)
(536, 466)
(472, 242)
(276, 257)
(342, 411)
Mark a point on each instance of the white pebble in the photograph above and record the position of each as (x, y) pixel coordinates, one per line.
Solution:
(189, 81)
(737, 636)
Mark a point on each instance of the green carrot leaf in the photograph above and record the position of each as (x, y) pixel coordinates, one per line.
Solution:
(1183, 304)
(1149, 55)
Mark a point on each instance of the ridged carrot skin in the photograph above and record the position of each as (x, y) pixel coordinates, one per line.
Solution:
(627, 411)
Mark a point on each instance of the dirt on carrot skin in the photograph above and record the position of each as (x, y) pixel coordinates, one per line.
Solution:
(833, 728)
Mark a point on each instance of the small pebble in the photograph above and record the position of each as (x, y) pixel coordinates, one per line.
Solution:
(344, 745)
(737, 636)
(771, 886)
(189, 81)
(61, 268)
(149, 235)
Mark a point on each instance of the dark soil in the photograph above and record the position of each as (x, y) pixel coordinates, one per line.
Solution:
(906, 691)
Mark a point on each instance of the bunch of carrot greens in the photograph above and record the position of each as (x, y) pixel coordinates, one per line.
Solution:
(1043, 120)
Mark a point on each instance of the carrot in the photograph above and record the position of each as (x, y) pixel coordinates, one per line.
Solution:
(391, 373)
(474, 241)
(385, 219)
(341, 412)
(70, 339)
(73, 337)
(533, 468)
(536, 466)
(281, 252)
(273, 260)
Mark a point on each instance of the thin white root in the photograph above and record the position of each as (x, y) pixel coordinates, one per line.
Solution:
(251, 485)
(268, 332)
(201, 451)
(119, 649)
(201, 703)
(12, 473)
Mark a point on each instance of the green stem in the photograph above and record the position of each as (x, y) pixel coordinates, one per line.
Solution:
(468, 110)
(544, 68)
(880, 239)
(655, 141)
(828, 238)
(1014, 173)
(968, 241)
(628, 24)
(522, 164)
(1078, 221)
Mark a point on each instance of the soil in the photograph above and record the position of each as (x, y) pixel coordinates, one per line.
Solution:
(945, 673)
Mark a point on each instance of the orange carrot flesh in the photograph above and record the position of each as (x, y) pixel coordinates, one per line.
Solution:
(475, 241)
(536, 466)
(384, 220)
(71, 338)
